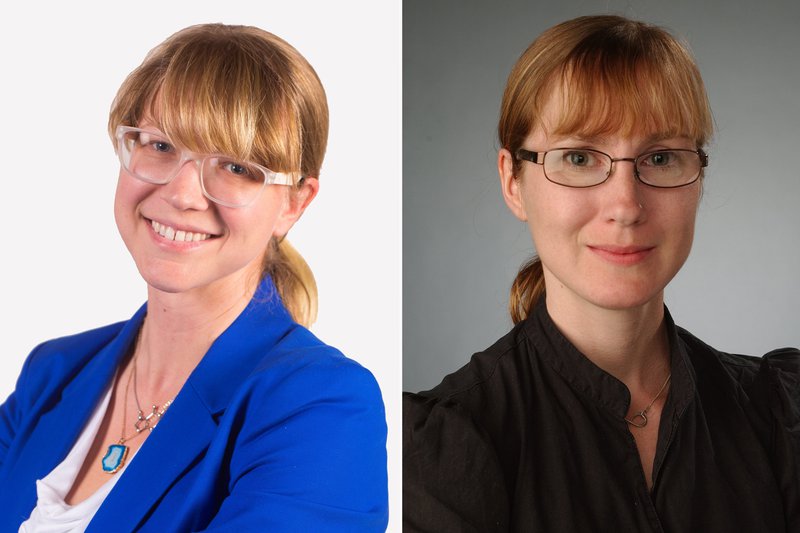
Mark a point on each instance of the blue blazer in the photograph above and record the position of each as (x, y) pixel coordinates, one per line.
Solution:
(273, 431)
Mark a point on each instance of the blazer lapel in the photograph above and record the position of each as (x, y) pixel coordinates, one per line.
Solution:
(190, 424)
(181, 436)
(58, 427)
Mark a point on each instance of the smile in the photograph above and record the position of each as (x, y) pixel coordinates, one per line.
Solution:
(172, 234)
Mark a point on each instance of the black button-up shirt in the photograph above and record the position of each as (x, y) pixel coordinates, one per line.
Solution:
(531, 436)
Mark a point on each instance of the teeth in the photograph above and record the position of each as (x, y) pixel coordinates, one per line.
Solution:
(178, 235)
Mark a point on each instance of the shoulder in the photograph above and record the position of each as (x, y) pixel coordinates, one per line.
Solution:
(770, 382)
(470, 403)
(784, 362)
(462, 398)
(309, 423)
(452, 476)
(452, 471)
(57, 361)
(306, 383)
(485, 370)
(300, 362)
(767, 390)
(76, 344)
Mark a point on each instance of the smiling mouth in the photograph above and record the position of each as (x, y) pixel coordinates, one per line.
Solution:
(171, 234)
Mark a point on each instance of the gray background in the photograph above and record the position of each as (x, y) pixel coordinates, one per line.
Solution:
(739, 291)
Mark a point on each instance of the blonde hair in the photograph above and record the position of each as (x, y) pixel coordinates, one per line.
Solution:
(619, 77)
(245, 92)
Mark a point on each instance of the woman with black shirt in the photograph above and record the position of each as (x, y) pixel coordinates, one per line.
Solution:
(597, 413)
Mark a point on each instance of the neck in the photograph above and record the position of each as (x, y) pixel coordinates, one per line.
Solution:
(630, 344)
(179, 329)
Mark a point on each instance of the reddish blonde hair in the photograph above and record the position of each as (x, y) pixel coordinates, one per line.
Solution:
(618, 77)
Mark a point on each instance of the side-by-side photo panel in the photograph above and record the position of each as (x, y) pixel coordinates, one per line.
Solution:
(202, 272)
(600, 260)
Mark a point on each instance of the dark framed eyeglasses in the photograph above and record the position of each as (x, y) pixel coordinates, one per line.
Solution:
(584, 167)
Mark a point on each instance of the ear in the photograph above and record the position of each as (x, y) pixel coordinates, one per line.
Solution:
(295, 205)
(510, 184)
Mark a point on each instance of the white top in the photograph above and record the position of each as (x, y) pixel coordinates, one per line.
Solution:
(52, 514)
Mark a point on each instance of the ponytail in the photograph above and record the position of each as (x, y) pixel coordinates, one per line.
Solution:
(527, 289)
(294, 280)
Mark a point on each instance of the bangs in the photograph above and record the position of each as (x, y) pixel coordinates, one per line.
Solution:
(624, 85)
(224, 95)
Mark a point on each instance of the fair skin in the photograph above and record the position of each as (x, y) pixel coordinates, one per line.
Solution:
(195, 290)
(607, 253)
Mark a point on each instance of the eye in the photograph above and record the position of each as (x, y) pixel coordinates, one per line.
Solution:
(161, 146)
(236, 168)
(660, 159)
(155, 143)
(233, 169)
(580, 158)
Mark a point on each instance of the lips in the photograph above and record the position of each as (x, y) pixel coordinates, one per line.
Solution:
(621, 249)
(622, 255)
(179, 235)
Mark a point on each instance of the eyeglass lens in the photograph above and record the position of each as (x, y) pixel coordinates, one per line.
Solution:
(584, 168)
(155, 159)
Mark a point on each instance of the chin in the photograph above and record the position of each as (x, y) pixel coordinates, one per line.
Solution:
(168, 286)
(176, 278)
(169, 278)
(622, 304)
(618, 297)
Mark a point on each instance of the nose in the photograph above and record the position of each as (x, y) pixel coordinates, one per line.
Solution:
(184, 191)
(624, 201)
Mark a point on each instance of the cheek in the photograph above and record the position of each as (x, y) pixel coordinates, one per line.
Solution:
(278, 202)
(123, 200)
(258, 222)
(130, 192)
(128, 197)
(554, 217)
(689, 218)
(680, 213)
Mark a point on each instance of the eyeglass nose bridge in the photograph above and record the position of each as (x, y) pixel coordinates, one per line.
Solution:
(186, 158)
(633, 160)
(198, 160)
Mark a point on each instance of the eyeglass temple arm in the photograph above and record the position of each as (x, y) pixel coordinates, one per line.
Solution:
(527, 155)
(703, 158)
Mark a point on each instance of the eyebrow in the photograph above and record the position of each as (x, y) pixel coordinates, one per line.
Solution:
(604, 139)
(589, 140)
(664, 136)
(149, 125)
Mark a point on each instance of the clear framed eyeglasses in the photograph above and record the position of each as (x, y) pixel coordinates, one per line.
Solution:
(153, 158)
(583, 167)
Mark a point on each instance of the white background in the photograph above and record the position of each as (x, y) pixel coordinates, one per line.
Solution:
(64, 267)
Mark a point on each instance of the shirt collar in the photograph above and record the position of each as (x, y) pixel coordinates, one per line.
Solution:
(588, 379)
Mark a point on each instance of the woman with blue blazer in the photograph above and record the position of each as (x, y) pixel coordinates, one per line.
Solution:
(212, 408)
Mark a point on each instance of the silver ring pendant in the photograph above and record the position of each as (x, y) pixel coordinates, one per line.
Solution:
(639, 420)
